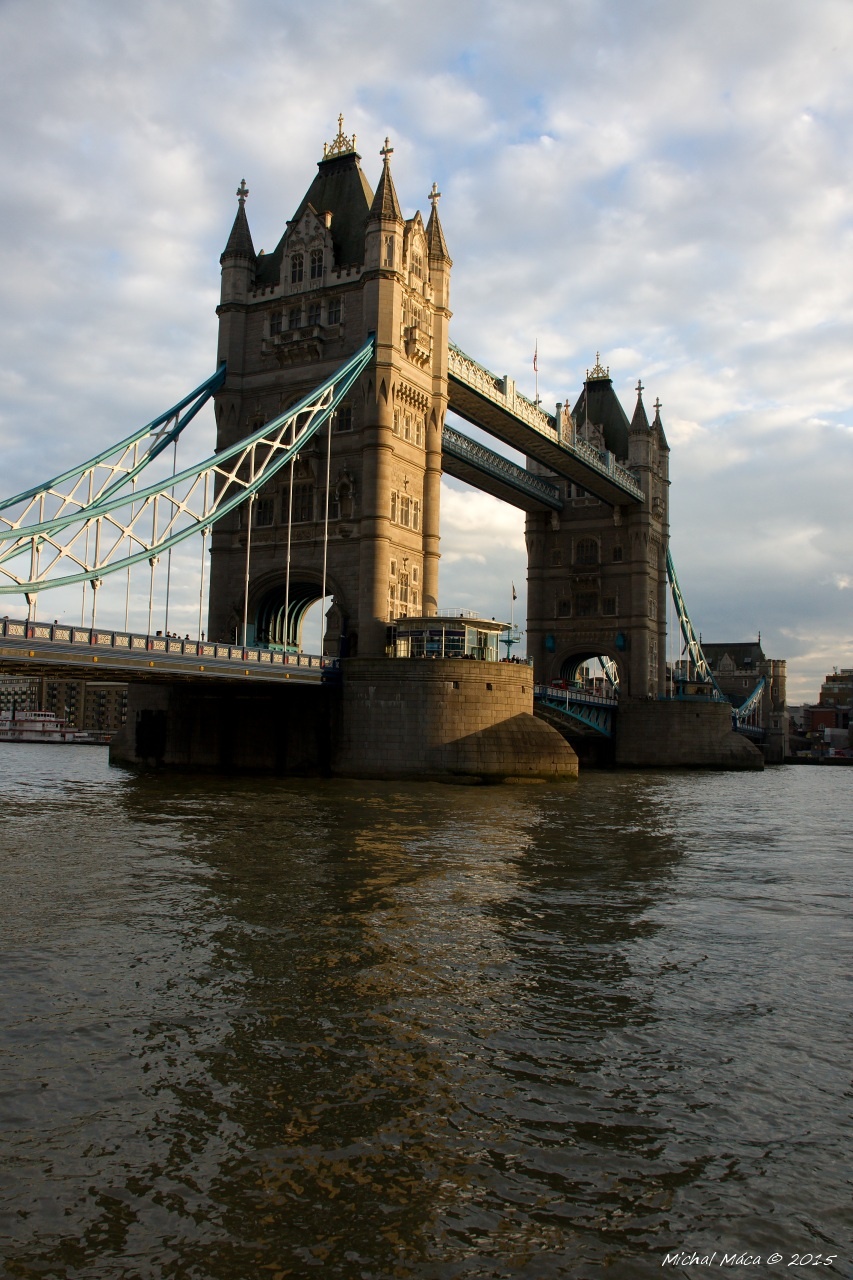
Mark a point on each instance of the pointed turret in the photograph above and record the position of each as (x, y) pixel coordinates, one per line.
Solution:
(435, 236)
(640, 421)
(239, 264)
(240, 240)
(386, 206)
(657, 426)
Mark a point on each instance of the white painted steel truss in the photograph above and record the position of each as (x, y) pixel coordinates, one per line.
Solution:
(93, 520)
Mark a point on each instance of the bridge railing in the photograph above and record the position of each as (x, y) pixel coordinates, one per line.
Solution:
(124, 641)
(503, 393)
(572, 693)
(468, 450)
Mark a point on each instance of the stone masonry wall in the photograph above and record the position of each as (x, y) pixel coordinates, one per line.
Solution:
(681, 735)
(405, 717)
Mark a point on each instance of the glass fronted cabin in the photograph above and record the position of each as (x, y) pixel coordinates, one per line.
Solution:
(447, 635)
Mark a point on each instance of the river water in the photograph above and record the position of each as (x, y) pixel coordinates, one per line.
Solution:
(256, 1028)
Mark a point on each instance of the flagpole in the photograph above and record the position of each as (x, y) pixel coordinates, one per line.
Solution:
(536, 369)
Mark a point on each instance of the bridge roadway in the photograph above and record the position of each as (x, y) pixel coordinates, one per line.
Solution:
(83, 653)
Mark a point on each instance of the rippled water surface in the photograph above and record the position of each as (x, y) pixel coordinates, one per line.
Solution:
(266, 1029)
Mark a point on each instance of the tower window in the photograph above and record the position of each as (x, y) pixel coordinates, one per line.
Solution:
(390, 259)
(264, 512)
(586, 605)
(316, 264)
(297, 268)
(405, 510)
(617, 554)
(294, 318)
(333, 311)
(343, 418)
(608, 605)
(586, 551)
(303, 503)
(417, 265)
(313, 313)
(275, 323)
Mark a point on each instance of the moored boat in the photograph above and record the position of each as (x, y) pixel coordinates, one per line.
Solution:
(45, 727)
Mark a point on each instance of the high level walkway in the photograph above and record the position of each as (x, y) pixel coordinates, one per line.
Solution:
(492, 403)
(468, 460)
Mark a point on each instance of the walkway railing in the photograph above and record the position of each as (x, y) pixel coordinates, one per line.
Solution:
(126, 641)
(502, 392)
(486, 460)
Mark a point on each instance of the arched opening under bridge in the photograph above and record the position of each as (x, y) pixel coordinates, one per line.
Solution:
(597, 672)
(297, 618)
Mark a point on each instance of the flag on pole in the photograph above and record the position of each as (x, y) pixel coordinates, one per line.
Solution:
(514, 594)
(536, 357)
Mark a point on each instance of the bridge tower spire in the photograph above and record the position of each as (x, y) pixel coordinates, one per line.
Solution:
(347, 266)
(238, 263)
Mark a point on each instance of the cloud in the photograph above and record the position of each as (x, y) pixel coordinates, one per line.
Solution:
(666, 183)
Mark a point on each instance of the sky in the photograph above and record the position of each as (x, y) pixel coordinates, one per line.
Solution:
(666, 183)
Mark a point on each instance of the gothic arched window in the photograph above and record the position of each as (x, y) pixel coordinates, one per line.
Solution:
(586, 551)
(316, 264)
(297, 268)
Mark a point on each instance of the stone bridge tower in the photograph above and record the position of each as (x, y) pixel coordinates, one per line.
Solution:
(348, 265)
(597, 584)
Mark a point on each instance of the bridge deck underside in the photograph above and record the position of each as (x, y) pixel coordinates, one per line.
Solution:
(483, 469)
(482, 412)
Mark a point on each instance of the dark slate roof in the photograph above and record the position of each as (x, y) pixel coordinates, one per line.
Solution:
(340, 188)
(745, 654)
(435, 237)
(603, 409)
(240, 240)
(385, 202)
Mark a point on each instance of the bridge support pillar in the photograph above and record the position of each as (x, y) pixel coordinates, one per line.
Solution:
(454, 718)
(281, 728)
(414, 718)
(680, 735)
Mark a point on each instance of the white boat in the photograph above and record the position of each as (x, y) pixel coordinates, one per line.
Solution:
(45, 727)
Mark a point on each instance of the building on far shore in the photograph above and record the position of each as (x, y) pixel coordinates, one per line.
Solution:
(827, 724)
(738, 669)
(82, 704)
(17, 693)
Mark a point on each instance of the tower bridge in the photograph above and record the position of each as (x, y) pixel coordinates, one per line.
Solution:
(335, 377)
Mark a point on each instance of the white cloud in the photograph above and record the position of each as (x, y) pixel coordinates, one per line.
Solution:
(667, 183)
